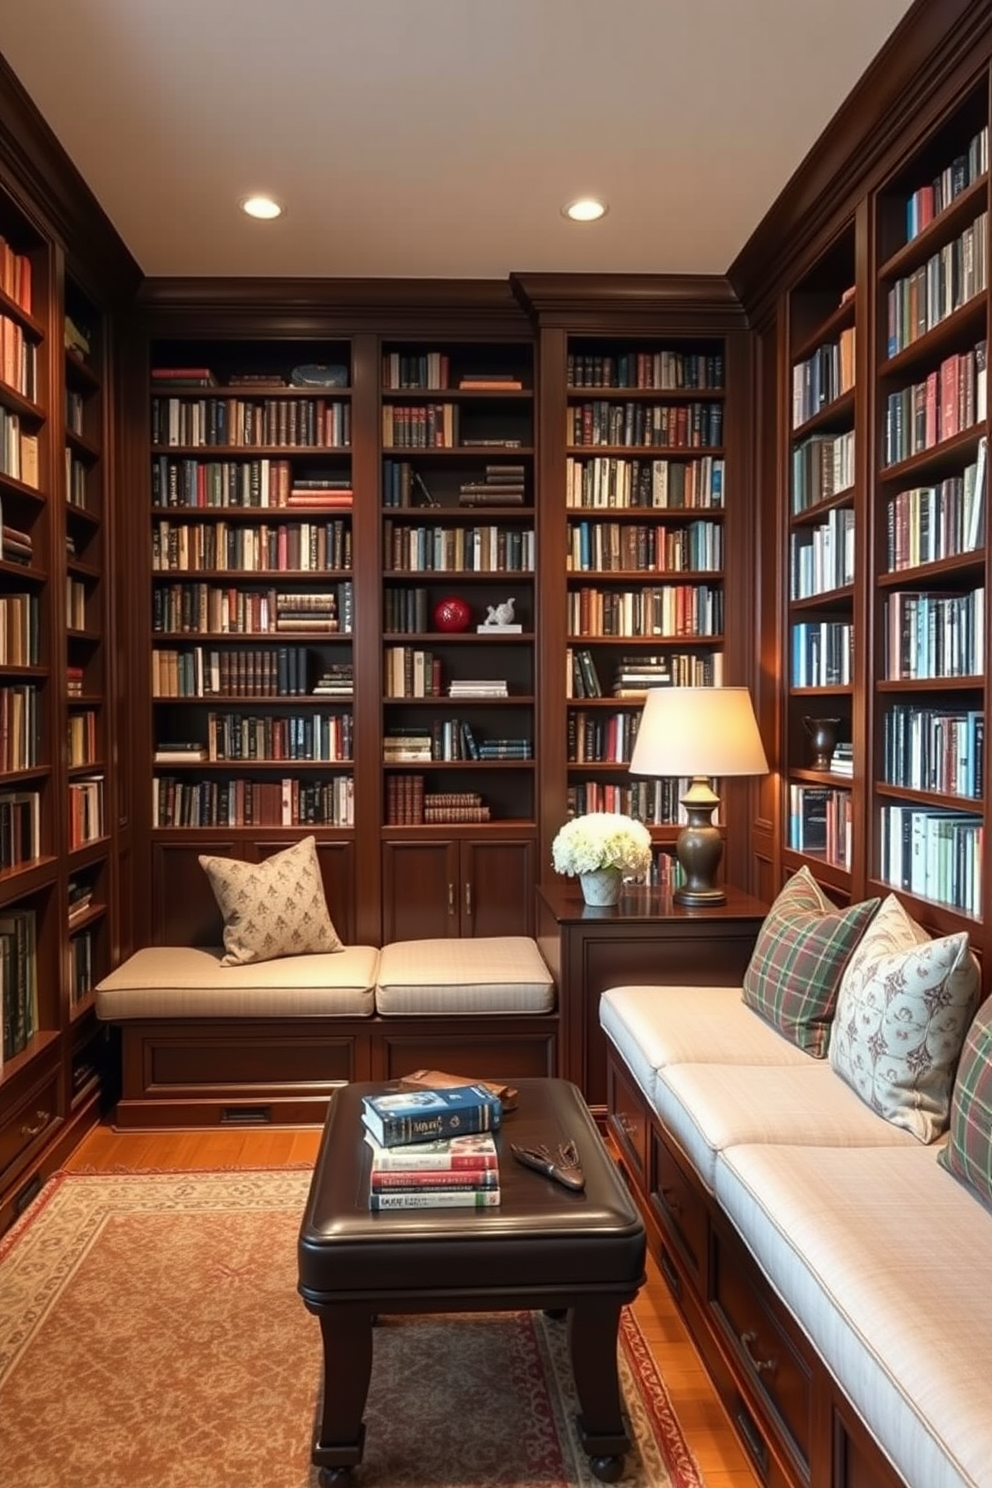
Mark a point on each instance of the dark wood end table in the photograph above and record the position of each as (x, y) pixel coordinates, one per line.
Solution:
(580, 1254)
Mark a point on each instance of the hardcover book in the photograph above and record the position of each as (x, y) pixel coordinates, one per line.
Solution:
(422, 1115)
(456, 1198)
(471, 1154)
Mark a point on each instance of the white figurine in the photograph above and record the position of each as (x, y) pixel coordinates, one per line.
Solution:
(501, 614)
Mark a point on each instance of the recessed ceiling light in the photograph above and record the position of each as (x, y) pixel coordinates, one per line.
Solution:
(265, 208)
(586, 209)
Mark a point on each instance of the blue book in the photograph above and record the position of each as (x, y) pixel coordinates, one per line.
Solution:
(424, 1115)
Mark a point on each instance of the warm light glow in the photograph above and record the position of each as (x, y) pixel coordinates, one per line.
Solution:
(586, 209)
(698, 731)
(264, 208)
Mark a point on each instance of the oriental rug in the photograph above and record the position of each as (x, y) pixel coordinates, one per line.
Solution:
(151, 1336)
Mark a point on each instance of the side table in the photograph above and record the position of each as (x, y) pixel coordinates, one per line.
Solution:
(645, 938)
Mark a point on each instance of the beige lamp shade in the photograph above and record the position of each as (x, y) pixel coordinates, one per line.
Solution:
(698, 731)
(704, 733)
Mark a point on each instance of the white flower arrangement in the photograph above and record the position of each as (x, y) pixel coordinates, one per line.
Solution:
(602, 839)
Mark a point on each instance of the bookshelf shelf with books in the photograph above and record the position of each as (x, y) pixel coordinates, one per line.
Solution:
(823, 596)
(927, 698)
(645, 480)
(459, 620)
(252, 583)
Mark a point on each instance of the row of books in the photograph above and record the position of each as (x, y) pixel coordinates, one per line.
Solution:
(648, 425)
(927, 523)
(320, 546)
(238, 671)
(81, 731)
(823, 377)
(409, 804)
(600, 737)
(18, 981)
(653, 610)
(253, 803)
(18, 450)
(209, 609)
(949, 279)
(821, 557)
(614, 547)
(244, 484)
(822, 467)
(420, 426)
(20, 827)
(953, 397)
(928, 635)
(666, 370)
(666, 485)
(15, 275)
(440, 549)
(20, 727)
(933, 853)
(430, 371)
(296, 423)
(929, 200)
(821, 823)
(822, 653)
(325, 737)
(86, 811)
(934, 749)
(656, 802)
(433, 1148)
(18, 359)
(633, 674)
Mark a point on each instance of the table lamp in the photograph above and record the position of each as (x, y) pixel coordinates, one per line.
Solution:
(705, 733)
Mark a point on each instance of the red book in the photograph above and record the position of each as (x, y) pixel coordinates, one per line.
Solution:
(436, 1180)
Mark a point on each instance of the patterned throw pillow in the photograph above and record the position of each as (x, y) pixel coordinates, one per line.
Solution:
(273, 908)
(968, 1154)
(903, 1009)
(799, 958)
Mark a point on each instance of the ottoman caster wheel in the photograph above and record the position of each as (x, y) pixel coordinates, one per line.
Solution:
(607, 1469)
(334, 1477)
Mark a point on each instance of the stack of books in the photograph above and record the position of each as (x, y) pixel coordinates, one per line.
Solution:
(503, 485)
(433, 1148)
(465, 687)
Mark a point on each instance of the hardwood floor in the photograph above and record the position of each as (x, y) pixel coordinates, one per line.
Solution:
(711, 1438)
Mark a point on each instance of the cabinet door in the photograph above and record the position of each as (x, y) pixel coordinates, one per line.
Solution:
(421, 890)
(497, 888)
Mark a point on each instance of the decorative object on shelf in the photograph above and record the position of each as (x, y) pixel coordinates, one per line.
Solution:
(823, 737)
(705, 733)
(452, 614)
(500, 617)
(599, 848)
(317, 374)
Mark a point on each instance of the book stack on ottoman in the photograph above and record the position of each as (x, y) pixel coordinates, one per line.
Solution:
(433, 1148)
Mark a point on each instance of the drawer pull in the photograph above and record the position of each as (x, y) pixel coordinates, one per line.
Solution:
(626, 1124)
(41, 1120)
(672, 1201)
(451, 898)
(752, 1438)
(760, 1366)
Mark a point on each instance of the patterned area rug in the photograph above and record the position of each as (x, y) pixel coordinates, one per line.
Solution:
(151, 1336)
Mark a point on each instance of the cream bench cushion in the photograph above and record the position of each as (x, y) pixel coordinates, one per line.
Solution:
(487, 974)
(190, 982)
(884, 1260)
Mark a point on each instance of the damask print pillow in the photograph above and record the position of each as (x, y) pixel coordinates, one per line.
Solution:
(273, 908)
(903, 1009)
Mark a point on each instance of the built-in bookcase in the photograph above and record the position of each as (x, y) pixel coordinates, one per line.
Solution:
(252, 587)
(822, 622)
(460, 622)
(928, 698)
(645, 491)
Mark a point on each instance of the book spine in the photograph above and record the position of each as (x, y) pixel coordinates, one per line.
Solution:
(468, 1198)
(400, 1162)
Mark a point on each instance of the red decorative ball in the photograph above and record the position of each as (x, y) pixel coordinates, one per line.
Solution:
(452, 614)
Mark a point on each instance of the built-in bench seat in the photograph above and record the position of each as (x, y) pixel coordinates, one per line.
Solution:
(206, 1044)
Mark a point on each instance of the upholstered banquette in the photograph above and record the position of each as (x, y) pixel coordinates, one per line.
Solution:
(813, 1152)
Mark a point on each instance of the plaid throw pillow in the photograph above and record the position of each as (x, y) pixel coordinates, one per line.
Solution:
(799, 959)
(968, 1154)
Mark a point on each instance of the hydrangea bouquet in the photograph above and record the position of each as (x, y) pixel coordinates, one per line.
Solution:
(602, 839)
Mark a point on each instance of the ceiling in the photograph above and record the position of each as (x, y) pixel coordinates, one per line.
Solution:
(439, 138)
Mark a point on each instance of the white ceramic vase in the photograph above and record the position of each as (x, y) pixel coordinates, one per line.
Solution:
(602, 886)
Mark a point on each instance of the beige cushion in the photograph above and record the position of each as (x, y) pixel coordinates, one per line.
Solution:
(188, 982)
(903, 1009)
(273, 908)
(488, 974)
